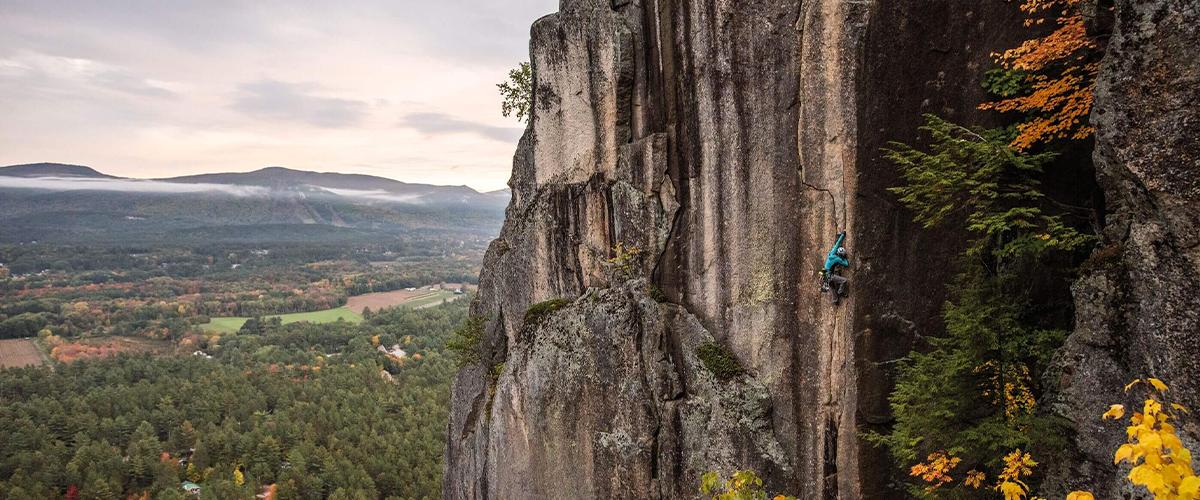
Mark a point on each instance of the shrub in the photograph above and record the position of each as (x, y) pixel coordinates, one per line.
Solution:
(542, 309)
(744, 485)
(655, 293)
(1105, 259)
(496, 370)
(719, 360)
(467, 344)
(626, 259)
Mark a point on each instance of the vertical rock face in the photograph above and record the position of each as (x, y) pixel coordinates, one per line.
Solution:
(730, 141)
(1138, 307)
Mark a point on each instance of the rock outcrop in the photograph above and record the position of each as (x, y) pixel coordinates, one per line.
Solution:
(1138, 304)
(730, 141)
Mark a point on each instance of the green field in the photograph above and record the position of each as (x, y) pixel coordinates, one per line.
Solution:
(232, 325)
(434, 297)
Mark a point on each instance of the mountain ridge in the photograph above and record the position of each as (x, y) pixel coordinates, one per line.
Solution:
(49, 169)
(58, 202)
(265, 174)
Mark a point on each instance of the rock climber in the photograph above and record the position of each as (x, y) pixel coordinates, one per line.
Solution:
(829, 276)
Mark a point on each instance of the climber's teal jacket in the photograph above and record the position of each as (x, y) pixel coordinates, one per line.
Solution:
(833, 259)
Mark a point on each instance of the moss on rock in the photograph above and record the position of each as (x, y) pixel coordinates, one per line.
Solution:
(542, 309)
(718, 360)
(656, 294)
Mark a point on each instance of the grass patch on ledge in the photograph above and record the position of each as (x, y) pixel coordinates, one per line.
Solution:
(542, 309)
(718, 360)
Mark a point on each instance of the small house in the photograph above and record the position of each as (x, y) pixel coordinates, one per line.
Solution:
(394, 351)
(191, 487)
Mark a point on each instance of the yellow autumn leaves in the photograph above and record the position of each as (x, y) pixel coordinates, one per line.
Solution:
(744, 485)
(1160, 462)
(1016, 464)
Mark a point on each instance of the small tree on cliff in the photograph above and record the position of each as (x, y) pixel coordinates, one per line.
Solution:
(517, 93)
(967, 400)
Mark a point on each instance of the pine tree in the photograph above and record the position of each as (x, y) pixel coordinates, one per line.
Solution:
(98, 490)
(969, 398)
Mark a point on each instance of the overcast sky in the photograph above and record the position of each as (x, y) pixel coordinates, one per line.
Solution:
(154, 88)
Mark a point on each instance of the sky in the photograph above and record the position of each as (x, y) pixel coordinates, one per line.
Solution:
(404, 89)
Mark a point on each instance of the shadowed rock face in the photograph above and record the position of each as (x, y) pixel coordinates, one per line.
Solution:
(730, 141)
(1138, 310)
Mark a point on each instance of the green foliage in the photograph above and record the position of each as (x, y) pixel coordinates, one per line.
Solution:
(279, 406)
(257, 325)
(744, 485)
(972, 394)
(467, 344)
(1003, 82)
(657, 294)
(979, 175)
(518, 93)
(538, 311)
(719, 360)
(22, 325)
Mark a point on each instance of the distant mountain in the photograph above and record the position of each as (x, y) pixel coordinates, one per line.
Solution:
(69, 203)
(363, 185)
(52, 170)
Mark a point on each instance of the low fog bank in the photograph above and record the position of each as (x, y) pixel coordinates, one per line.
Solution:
(126, 185)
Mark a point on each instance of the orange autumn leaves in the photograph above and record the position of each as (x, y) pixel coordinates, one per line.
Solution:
(1058, 69)
(936, 473)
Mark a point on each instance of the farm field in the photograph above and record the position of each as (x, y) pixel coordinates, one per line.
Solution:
(232, 325)
(19, 352)
(416, 299)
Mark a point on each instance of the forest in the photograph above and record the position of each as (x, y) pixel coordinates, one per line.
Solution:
(297, 411)
(138, 397)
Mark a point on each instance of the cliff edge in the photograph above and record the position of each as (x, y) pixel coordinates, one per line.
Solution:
(730, 142)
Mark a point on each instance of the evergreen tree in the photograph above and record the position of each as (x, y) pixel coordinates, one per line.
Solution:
(968, 399)
(98, 489)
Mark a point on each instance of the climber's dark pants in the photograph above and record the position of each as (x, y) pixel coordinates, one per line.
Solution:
(838, 286)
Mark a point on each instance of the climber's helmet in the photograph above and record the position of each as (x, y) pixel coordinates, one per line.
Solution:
(841, 252)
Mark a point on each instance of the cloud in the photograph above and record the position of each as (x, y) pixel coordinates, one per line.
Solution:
(129, 84)
(125, 185)
(378, 194)
(191, 86)
(76, 76)
(276, 100)
(440, 124)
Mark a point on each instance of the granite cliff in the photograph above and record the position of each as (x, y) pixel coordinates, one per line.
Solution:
(1138, 303)
(731, 141)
